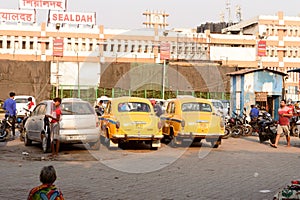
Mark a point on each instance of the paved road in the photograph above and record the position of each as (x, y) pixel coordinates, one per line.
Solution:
(241, 168)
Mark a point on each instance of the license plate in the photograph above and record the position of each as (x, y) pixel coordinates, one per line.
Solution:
(139, 126)
(76, 138)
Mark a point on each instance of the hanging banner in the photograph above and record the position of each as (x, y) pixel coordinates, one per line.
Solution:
(11, 15)
(58, 47)
(164, 51)
(72, 18)
(261, 48)
(43, 4)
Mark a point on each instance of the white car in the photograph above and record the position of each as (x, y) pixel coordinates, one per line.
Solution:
(219, 107)
(21, 103)
(105, 99)
(79, 124)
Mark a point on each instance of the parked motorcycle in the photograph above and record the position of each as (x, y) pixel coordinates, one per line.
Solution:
(5, 128)
(293, 126)
(290, 191)
(267, 128)
(243, 126)
(233, 126)
(227, 132)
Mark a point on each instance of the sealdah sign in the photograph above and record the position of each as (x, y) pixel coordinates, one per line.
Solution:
(72, 18)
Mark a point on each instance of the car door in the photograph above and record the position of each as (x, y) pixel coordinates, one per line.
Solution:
(35, 122)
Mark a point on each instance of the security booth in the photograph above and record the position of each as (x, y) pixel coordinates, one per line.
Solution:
(260, 86)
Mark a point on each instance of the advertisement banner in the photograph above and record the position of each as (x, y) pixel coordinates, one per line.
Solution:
(43, 4)
(72, 18)
(261, 48)
(58, 47)
(11, 15)
(164, 51)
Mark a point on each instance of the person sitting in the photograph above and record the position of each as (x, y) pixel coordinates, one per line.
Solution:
(254, 112)
(47, 190)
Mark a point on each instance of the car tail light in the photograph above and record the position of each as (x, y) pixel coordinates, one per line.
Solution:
(118, 124)
(159, 125)
(222, 122)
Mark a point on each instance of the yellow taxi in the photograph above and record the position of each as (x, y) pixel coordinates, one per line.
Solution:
(130, 119)
(194, 119)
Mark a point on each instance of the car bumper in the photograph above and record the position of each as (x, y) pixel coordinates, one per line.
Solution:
(137, 137)
(200, 135)
(75, 136)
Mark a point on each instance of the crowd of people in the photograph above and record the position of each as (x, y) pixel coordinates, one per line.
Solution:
(286, 112)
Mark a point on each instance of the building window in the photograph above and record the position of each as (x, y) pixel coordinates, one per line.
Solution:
(30, 45)
(47, 45)
(112, 47)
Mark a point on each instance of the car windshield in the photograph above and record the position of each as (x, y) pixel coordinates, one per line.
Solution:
(21, 100)
(133, 107)
(76, 108)
(196, 107)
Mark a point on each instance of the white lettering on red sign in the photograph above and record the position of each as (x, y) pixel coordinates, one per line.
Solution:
(43, 4)
(72, 18)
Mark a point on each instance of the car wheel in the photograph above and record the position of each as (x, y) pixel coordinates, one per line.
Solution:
(215, 143)
(27, 141)
(45, 144)
(95, 145)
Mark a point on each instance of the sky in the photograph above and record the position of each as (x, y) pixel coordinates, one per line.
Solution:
(183, 13)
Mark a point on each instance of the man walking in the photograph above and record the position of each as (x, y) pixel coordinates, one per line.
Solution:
(284, 113)
(10, 111)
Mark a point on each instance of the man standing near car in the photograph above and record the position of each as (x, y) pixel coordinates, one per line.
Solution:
(54, 126)
(10, 107)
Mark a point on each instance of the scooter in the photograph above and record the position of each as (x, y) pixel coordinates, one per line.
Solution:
(5, 128)
(267, 128)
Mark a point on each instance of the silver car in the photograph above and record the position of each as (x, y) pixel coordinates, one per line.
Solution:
(79, 124)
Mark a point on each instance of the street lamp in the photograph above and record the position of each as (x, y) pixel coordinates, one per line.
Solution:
(57, 27)
(78, 77)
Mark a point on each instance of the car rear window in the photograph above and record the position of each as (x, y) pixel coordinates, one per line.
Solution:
(76, 108)
(21, 100)
(196, 107)
(133, 107)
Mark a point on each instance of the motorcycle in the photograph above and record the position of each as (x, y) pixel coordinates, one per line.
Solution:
(227, 132)
(5, 128)
(233, 126)
(243, 128)
(290, 191)
(267, 128)
(293, 126)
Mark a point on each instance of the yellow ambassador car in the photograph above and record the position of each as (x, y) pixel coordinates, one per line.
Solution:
(130, 119)
(193, 119)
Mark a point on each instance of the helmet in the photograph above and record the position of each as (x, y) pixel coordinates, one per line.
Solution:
(19, 120)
